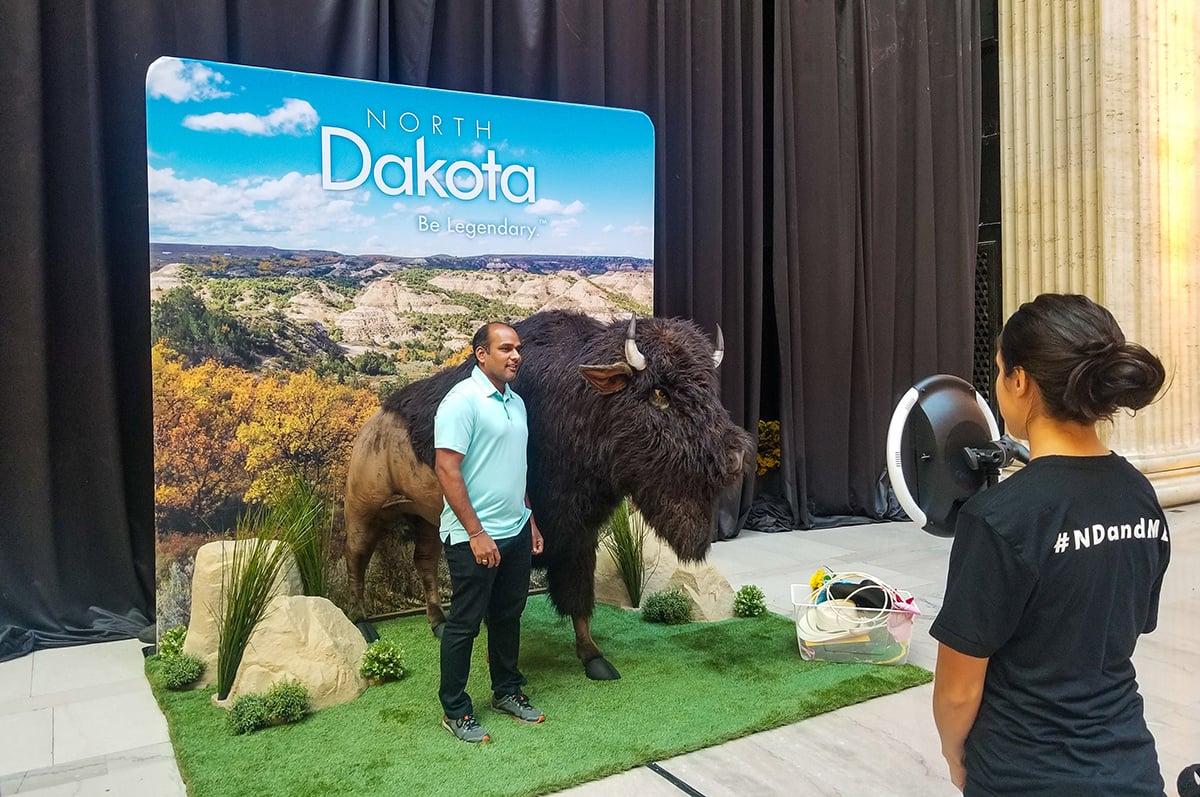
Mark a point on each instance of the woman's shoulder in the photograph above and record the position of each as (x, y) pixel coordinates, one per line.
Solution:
(1056, 485)
(1040, 478)
(1047, 471)
(1057, 472)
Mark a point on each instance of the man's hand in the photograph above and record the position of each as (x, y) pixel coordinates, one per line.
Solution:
(538, 542)
(485, 550)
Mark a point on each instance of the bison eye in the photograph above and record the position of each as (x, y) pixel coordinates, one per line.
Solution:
(659, 398)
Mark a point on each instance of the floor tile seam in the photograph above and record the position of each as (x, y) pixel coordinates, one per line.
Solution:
(73, 695)
(11, 784)
(759, 574)
(27, 689)
(130, 758)
(768, 743)
(150, 754)
(912, 560)
(787, 548)
(35, 780)
(753, 573)
(23, 706)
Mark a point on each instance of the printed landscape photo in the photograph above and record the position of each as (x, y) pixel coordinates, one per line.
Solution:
(382, 315)
(317, 243)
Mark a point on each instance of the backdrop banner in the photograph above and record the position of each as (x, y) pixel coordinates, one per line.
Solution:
(317, 242)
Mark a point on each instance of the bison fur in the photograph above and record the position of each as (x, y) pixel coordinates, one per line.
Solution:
(606, 420)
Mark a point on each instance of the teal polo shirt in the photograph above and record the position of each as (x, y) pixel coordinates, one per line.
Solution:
(491, 431)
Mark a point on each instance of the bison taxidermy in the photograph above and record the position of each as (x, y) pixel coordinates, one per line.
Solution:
(614, 409)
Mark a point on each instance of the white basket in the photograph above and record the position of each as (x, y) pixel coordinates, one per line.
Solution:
(839, 631)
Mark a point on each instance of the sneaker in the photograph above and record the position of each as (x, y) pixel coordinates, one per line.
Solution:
(518, 706)
(466, 728)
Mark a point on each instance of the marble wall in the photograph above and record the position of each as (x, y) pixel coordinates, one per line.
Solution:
(1101, 192)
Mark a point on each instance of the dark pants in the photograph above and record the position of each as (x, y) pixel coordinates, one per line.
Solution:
(496, 595)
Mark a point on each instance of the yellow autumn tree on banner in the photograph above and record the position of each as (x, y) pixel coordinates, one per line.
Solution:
(301, 424)
(199, 463)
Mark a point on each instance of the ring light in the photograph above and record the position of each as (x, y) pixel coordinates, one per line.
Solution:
(943, 446)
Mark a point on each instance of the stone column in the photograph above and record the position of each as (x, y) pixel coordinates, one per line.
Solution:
(1101, 193)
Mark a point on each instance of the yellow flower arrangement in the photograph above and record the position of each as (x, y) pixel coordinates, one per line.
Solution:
(768, 446)
(818, 578)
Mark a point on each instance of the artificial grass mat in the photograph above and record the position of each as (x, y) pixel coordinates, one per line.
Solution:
(682, 688)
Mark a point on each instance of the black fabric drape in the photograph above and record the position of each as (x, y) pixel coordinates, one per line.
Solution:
(876, 141)
(868, 288)
(76, 492)
(76, 534)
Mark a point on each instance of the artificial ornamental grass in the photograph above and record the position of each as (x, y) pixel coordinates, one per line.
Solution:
(682, 688)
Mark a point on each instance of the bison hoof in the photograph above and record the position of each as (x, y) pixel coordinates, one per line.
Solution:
(367, 630)
(598, 669)
(438, 629)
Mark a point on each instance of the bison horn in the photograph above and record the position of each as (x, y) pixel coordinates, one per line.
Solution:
(719, 352)
(632, 355)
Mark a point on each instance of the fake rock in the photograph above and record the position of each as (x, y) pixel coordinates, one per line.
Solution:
(710, 593)
(304, 639)
(212, 561)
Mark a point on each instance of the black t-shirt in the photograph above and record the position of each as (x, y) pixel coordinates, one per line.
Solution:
(1053, 574)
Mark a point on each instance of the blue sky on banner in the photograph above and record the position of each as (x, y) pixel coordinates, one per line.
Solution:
(247, 156)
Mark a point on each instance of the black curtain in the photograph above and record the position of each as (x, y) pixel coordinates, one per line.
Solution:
(854, 274)
(875, 157)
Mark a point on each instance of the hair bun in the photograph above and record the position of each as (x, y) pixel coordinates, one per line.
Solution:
(1080, 359)
(1104, 351)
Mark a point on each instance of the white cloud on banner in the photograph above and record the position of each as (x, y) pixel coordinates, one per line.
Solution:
(291, 209)
(176, 81)
(294, 117)
(560, 228)
(552, 207)
(479, 148)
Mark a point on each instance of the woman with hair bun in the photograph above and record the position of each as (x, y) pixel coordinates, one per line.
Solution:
(1054, 573)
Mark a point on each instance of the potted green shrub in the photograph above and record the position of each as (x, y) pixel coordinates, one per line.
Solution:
(180, 670)
(383, 660)
(668, 606)
(177, 669)
(749, 601)
(284, 702)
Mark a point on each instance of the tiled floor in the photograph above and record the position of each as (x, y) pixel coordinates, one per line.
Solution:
(81, 721)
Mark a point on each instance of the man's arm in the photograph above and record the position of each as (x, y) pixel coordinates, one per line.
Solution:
(538, 543)
(957, 691)
(448, 467)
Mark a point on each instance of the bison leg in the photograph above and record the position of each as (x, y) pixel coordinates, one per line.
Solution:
(571, 583)
(595, 665)
(426, 555)
(362, 535)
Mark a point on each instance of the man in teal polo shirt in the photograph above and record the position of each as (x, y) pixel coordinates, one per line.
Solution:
(480, 435)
